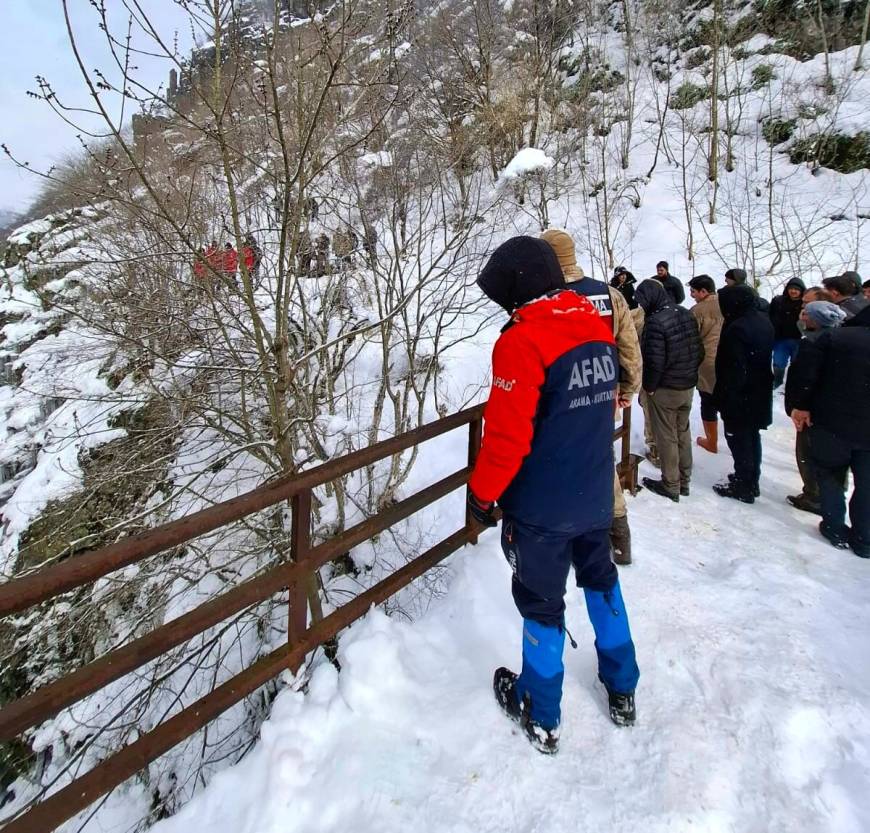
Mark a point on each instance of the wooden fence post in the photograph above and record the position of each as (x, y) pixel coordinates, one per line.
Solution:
(475, 436)
(300, 546)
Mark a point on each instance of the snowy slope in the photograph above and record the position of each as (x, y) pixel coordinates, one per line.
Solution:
(751, 637)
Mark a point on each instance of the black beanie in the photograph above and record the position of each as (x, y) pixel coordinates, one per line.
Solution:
(520, 270)
(736, 275)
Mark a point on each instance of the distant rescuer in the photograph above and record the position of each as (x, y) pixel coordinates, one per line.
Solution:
(546, 457)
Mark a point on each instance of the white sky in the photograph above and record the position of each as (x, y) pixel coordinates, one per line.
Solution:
(33, 41)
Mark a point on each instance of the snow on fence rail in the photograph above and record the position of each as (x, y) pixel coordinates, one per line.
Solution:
(46, 702)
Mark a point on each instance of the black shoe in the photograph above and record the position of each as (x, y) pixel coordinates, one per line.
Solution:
(658, 488)
(734, 490)
(684, 490)
(756, 492)
(803, 503)
(861, 550)
(622, 709)
(504, 684)
(836, 537)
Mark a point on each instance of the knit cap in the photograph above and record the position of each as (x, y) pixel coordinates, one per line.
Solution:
(563, 246)
(825, 314)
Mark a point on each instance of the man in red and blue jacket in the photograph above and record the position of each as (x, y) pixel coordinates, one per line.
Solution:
(547, 459)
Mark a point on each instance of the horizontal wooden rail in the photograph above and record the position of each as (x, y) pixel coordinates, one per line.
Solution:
(81, 793)
(47, 701)
(20, 594)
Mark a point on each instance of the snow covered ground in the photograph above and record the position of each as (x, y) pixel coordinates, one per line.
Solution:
(751, 635)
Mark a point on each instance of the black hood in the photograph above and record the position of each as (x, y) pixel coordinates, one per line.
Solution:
(651, 295)
(520, 270)
(736, 275)
(629, 278)
(737, 300)
(794, 282)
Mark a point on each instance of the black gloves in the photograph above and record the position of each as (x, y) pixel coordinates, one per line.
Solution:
(483, 513)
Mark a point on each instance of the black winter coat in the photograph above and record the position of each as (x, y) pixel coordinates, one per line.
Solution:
(673, 287)
(744, 380)
(670, 343)
(626, 289)
(784, 313)
(830, 378)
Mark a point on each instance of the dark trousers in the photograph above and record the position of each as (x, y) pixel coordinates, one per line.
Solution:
(833, 457)
(745, 446)
(708, 407)
(541, 562)
(802, 446)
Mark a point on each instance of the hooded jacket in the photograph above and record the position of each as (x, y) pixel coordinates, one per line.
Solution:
(519, 270)
(785, 313)
(830, 378)
(670, 342)
(744, 379)
(626, 288)
(546, 454)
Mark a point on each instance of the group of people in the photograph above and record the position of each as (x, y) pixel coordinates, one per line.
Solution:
(213, 260)
(573, 350)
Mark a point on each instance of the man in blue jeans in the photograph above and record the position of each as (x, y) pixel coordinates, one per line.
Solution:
(547, 458)
(829, 393)
(785, 312)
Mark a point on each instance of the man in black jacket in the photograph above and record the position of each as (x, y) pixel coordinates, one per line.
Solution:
(738, 277)
(672, 352)
(785, 311)
(817, 316)
(829, 391)
(743, 392)
(672, 285)
(846, 295)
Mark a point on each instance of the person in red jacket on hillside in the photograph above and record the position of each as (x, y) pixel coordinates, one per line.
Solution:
(547, 459)
(230, 261)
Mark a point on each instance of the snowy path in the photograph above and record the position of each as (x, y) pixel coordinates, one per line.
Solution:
(754, 711)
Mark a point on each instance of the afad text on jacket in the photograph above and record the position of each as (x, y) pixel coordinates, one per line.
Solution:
(547, 452)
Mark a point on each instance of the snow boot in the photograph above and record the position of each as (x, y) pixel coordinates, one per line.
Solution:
(735, 489)
(620, 541)
(778, 377)
(621, 706)
(710, 442)
(804, 503)
(836, 537)
(504, 686)
(684, 490)
(657, 487)
(756, 492)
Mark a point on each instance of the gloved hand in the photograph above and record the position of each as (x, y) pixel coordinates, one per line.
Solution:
(482, 512)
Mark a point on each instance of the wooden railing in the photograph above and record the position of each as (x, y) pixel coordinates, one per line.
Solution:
(23, 593)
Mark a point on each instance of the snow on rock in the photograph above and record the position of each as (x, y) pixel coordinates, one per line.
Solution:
(30, 232)
(527, 161)
(752, 701)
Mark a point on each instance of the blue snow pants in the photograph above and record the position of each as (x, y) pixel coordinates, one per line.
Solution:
(541, 563)
(784, 352)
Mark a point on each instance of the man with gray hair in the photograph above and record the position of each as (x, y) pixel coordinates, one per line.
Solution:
(816, 317)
